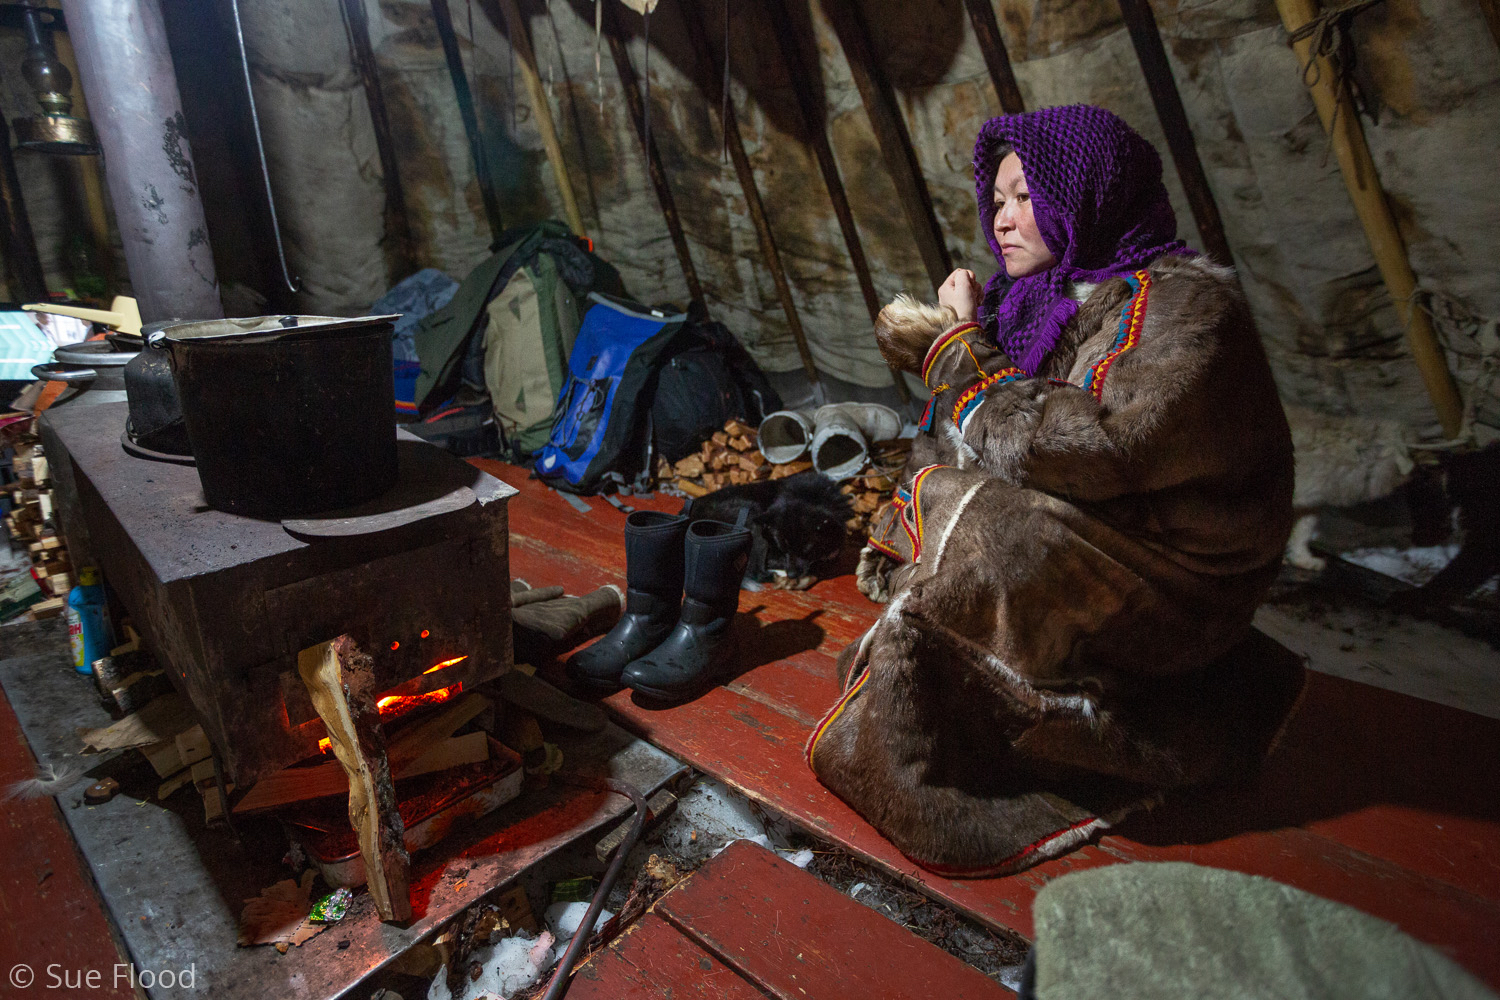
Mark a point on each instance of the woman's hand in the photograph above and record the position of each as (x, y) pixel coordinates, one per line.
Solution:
(961, 293)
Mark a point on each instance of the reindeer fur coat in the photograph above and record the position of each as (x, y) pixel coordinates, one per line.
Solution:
(1071, 563)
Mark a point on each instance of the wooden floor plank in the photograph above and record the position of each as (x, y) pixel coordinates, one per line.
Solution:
(797, 937)
(655, 961)
(1374, 798)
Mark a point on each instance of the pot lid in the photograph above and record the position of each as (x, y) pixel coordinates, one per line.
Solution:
(94, 354)
(260, 329)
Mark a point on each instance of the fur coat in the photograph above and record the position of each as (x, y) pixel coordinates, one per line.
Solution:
(1072, 561)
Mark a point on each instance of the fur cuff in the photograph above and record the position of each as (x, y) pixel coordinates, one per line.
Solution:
(941, 344)
(906, 328)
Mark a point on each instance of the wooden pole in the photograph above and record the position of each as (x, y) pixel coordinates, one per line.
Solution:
(520, 40)
(1141, 23)
(698, 38)
(17, 244)
(396, 221)
(465, 97)
(1341, 120)
(896, 150)
(817, 137)
(987, 30)
(1491, 11)
(632, 88)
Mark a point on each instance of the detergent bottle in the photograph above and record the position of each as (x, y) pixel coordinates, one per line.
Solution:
(88, 621)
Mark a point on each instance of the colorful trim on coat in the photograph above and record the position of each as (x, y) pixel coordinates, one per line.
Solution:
(904, 509)
(942, 344)
(970, 398)
(1132, 317)
(834, 713)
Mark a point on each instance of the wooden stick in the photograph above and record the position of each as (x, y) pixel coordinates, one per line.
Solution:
(455, 61)
(17, 243)
(698, 38)
(1144, 35)
(890, 133)
(396, 221)
(631, 85)
(817, 137)
(340, 677)
(520, 40)
(1492, 16)
(1341, 120)
(996, 59)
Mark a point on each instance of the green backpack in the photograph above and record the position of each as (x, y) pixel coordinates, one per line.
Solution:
(522, 302)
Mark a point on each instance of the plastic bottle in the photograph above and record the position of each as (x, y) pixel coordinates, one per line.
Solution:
(88, 621)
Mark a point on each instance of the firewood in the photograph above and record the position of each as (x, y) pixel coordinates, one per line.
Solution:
(865, 503)
(692, 489)
(719, 438)
(738, 428)
(790, 469)
(741, 443)
(303, 784)
(738, 477)
(714, 480)
(340, 678)
(751, 461)
(691, 466)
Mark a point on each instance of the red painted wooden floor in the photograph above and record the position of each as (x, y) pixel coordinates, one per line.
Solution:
(747, 917)
(1374, 799)
(52, 922)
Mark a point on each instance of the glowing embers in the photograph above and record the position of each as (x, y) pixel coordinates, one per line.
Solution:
(394, 706)
(446, 663)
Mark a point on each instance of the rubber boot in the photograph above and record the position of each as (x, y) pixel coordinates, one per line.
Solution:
(685, 662)
(653, 595)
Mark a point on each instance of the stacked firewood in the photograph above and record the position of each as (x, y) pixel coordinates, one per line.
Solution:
(731, 457)
(30, 522)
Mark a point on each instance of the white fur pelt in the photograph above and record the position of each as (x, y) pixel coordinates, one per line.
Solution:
(1341, 461)
(50, 780)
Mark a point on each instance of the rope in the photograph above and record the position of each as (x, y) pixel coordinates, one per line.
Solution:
(1330, 36)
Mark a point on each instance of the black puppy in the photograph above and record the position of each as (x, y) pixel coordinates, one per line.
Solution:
(797, 522)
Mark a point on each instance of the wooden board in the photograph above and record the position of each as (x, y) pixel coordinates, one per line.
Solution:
(1374, 799)
(797, 937)
(654, 961)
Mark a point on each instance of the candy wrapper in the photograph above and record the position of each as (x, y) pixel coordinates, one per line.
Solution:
(332, 907)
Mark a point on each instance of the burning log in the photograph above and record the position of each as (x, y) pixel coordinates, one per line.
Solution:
(340, 678)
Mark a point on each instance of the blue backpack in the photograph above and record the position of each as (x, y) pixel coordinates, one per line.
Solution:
(597, 426)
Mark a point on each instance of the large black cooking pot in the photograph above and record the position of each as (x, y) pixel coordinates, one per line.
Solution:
(287, 415)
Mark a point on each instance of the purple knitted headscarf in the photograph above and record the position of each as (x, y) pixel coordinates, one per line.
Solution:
(1099, 204)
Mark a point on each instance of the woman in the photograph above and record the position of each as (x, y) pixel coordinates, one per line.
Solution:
(1095, 506)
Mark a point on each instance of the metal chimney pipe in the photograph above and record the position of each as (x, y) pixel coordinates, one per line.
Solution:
(126, 71)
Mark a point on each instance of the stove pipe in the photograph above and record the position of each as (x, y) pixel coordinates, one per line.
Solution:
(126, 71)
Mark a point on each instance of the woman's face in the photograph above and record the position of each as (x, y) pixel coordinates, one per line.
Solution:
(1015, 228)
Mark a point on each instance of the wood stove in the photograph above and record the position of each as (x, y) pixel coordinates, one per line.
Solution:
(419, 578)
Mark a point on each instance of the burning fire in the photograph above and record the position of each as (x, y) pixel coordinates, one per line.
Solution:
(392, 706)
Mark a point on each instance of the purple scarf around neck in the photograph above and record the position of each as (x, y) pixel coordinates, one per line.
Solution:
(1100, 206)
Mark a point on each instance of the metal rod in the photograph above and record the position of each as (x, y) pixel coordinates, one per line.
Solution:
(816, 131)
(891, 135)
(698, 38)
(17, 242)
(1341, 120)
(996, 59)
(521, 42)
(1141, 23)
(465, 98)
(631, 86)
(357, 26)
(292, 284)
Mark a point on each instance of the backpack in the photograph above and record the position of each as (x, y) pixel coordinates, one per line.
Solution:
(509, 329)
(598, 421)
(706, 379)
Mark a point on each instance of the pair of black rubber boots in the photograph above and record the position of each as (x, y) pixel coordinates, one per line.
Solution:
(682, 580)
